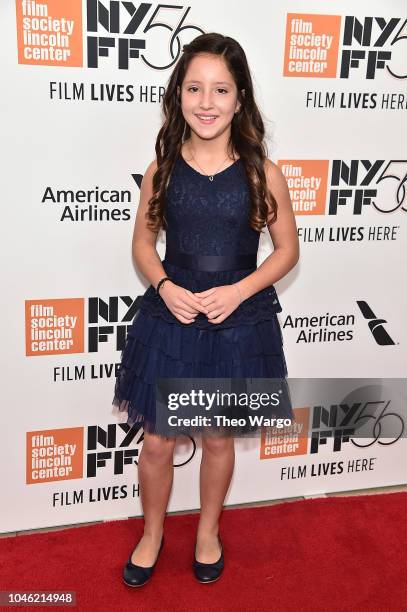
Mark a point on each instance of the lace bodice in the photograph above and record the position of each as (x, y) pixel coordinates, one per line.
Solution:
(211, 218)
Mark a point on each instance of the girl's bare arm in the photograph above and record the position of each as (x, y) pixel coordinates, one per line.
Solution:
(144, 239)
(283, 234)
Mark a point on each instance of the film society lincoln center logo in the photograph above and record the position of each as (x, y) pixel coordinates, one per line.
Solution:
(54, 455)
(49, 33)
(54, 327)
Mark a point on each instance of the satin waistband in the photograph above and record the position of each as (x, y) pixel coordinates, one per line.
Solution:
(211, 263)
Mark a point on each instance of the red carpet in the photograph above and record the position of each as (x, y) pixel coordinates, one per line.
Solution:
(333, 554)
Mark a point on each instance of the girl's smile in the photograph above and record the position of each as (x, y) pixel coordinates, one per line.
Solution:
(206, 119)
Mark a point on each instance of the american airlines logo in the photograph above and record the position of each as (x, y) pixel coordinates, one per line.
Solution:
(375, 324)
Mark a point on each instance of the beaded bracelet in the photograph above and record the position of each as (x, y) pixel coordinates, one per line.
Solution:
(161, 282)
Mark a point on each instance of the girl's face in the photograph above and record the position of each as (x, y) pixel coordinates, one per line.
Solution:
(208, 90)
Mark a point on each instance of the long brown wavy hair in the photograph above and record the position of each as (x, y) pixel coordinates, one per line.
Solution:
(247, 132)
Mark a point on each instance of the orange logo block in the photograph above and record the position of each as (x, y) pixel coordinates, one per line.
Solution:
(286, 441)
(311, 45)
(54, 327)
(54, 454)
(49, 32)
(307, 182)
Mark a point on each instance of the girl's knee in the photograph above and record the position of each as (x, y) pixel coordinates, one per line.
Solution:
(158, 448)
(217, 445)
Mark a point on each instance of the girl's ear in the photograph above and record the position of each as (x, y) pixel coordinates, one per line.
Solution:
(243, 91)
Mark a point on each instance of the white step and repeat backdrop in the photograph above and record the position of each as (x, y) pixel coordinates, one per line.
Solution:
(82, 82)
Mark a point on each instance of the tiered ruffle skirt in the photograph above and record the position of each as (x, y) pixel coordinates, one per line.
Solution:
(156, 348)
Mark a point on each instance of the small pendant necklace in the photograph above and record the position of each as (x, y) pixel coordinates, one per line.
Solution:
(210, 176)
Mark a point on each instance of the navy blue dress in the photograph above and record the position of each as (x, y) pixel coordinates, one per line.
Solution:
(205, 218)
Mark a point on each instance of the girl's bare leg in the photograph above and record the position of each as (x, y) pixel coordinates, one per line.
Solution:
(156, 473)
(218, 460)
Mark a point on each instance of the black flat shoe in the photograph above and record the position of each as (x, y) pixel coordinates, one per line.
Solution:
(136, 575)
(209, 572)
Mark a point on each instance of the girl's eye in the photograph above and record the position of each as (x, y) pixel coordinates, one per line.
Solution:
(219, 89)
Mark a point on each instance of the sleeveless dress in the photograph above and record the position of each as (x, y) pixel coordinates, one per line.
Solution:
(205, 218)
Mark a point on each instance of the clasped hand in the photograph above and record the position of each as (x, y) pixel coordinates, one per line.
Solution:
(216, 303)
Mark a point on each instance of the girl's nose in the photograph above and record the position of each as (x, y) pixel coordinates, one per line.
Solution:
(206, 100)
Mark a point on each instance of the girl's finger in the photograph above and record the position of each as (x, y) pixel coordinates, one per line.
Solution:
(192, 296)
(186, 301)
(205, 293)
(185, 313)
(218, 319)
(187, 307)
(208, 301)
(183, 319)
(215, 313)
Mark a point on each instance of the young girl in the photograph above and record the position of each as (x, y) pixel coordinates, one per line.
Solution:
(209, 311)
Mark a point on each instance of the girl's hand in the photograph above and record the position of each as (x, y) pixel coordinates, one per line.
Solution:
(181, 302)
(219, 302)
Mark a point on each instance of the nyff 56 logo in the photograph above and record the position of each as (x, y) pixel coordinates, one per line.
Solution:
(50, 33)
(59, 326)
(353, 185)
(315, 47)
(84, 452)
